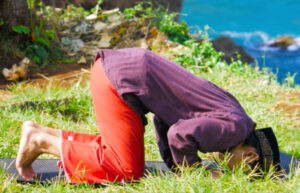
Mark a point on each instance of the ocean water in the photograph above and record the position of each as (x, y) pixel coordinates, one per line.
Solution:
(252, 24)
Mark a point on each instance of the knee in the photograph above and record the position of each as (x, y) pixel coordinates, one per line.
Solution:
(136, 175)
(135, 171)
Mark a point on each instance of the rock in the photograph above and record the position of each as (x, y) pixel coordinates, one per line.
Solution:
(91, 16)
(76, 45)
(113, 26)
(105, 41)
(114, 18)
(89, 51)
(282, 42)
(99, 26)
(73, 43)
(67, 41)
(82, 27)
(82, 60)
(143, 44)
(229, 48)
(17, 71)
(67, 31)
(161, 44)
(10, 74)
(25, 62)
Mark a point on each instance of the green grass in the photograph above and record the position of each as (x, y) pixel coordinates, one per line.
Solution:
(76, 113)
(70, 108)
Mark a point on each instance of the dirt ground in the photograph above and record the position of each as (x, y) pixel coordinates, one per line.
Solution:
(289, 104)
(59, 74)
(36, 75)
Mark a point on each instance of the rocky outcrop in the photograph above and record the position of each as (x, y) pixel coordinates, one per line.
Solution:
(282, 42)
(114, 32)
(230, 50)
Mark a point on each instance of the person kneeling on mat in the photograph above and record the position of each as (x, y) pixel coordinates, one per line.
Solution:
(191, 114)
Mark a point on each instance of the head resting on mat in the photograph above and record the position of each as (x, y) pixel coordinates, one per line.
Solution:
(259, 149)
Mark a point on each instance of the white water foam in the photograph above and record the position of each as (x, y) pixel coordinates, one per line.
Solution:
(261, 41)
(247, 35)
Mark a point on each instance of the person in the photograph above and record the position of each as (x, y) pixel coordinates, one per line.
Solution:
(191, 114)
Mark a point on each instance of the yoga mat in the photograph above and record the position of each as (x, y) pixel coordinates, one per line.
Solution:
(47, 170)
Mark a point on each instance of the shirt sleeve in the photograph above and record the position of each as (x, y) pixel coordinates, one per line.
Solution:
(206, 134)
(161, 130)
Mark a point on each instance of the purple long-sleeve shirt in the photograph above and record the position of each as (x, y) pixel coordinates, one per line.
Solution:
(191, 113)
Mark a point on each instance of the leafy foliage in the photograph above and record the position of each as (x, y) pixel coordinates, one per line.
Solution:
(164, 21)
(201, 53)
(21, 29)
(39, 47)
(72, 12)
(290, 80)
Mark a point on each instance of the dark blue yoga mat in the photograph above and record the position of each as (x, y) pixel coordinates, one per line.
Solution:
(47, 170)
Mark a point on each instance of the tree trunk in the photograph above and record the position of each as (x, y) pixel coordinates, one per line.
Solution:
(13, 12)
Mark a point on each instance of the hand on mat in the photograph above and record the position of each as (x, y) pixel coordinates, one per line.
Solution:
(215, 174)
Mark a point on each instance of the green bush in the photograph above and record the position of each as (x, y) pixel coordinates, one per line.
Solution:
(39, 47)
(159, 17)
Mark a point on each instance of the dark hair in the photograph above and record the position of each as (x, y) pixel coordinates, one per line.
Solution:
(265, 144)
(253, 142)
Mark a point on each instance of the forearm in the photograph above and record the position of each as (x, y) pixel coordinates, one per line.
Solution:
(182, 144)
(161, 130)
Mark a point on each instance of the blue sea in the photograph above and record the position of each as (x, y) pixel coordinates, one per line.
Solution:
(252, 24)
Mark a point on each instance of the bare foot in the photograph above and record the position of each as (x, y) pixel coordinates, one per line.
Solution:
(44, 129)
(29, 150)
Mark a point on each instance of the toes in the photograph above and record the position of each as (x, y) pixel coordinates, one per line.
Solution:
(27, 124)
(27, 173)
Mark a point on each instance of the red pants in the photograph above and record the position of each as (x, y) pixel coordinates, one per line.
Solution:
(118, 152)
